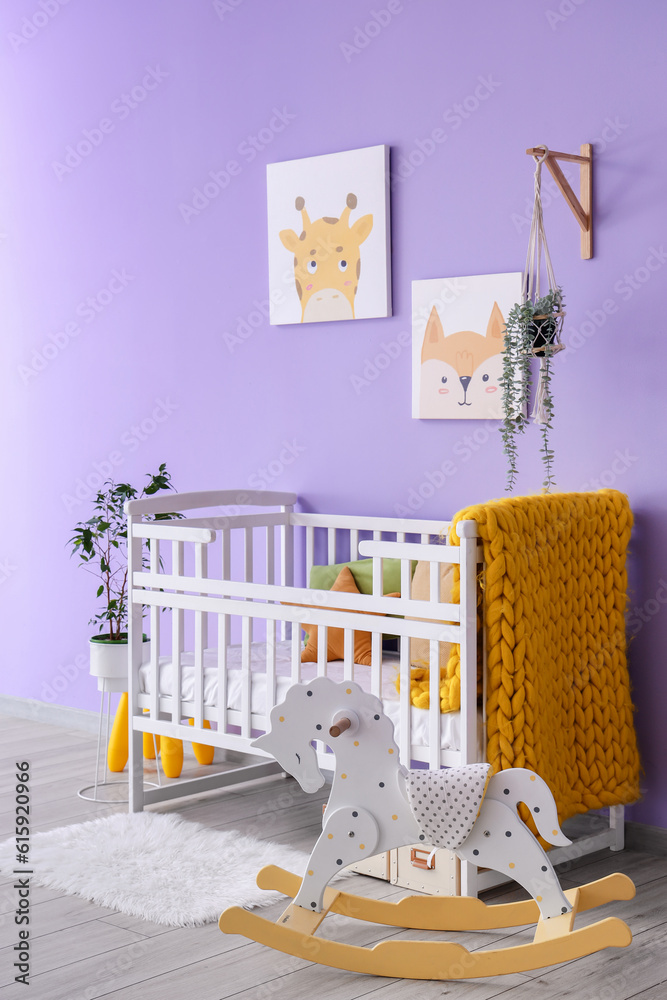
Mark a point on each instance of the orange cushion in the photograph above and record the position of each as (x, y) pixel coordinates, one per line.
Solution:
(336, 636)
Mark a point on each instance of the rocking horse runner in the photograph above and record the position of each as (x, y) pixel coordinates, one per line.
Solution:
(377, 804)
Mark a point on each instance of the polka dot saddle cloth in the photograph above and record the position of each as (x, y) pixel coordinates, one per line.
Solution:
(446, 803)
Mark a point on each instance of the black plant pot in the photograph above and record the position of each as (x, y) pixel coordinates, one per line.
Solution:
(542, 331)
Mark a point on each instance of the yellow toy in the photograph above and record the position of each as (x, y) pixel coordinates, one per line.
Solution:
(170, 750)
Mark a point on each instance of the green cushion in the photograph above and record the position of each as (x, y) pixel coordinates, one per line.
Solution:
(324, 577)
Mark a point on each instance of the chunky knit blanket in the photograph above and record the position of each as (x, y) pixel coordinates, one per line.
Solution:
(558, 695)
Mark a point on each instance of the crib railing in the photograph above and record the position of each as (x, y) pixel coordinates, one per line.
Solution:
(231, 577)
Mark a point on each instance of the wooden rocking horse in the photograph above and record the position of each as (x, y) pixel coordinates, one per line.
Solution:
(377, 804)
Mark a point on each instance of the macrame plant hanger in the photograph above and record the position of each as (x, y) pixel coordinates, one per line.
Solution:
(545, 329)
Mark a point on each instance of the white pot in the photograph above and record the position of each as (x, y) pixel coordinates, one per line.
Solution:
(109, 662)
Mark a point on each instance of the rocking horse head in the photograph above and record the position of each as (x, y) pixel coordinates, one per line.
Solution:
(338, 714)
(289, 738)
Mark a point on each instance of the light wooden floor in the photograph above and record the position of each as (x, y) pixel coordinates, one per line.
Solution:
(82, 952)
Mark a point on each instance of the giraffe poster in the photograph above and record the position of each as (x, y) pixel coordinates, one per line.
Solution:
(458, 329)
(329, 250)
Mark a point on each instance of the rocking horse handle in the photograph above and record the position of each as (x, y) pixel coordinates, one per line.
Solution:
(339, 726)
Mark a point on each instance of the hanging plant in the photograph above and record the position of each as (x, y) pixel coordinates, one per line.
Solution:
(532, 330)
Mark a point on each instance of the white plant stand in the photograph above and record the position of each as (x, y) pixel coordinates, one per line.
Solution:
(109, 666)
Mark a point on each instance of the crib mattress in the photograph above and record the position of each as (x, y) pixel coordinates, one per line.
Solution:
(450, 722)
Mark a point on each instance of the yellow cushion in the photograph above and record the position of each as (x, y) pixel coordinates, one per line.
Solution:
(450, 685)
(419, 648)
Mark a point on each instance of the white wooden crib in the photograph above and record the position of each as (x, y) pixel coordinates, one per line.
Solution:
(223, 591)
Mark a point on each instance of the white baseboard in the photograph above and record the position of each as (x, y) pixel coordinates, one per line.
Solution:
(54, 715)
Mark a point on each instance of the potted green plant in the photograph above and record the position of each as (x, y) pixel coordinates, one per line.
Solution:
(100, 543)
(532, 330)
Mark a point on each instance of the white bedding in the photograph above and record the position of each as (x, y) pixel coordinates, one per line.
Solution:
(450, 722)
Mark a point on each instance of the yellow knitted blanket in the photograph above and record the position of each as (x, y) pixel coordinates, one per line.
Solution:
(558, 694)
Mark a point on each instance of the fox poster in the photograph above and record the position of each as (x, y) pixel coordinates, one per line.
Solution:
(458, 330)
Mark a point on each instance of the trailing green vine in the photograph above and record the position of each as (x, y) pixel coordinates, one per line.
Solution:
(532, 330)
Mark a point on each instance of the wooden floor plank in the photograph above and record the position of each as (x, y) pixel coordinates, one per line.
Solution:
(38, 894)
(50, 915)
(69, 945)
(138, 963)
(657, 992)
(616, 973)
(640, 867)
(471, 989)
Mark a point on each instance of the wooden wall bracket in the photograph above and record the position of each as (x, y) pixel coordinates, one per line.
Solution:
(582, 207)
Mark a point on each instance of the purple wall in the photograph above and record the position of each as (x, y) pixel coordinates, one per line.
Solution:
(151, 353)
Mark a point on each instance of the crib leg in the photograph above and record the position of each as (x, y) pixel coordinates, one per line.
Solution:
(617, 826)
(151, 744)
(136, 769)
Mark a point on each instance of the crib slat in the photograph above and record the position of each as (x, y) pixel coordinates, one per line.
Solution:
(406, 575)
(201, 572)
(376, 663)
(322, 646)
(248, 566)
(377, 569)
(434, 706)
(434, 676)
(354, 543)
(287, 552)
(310, 549)
(348, 654)
(468, 645)
(270, 556)
(248, 555)
(287, 565)
(295, 650)
(226, 555)
(199, 672)
(271, 680)
(155, 555)
(405, 734)
(155, 636)
(223, 643)
(200, 638)
(331, 545)
(177, 638)
(224, 628)
(434, 581)
(246, 675)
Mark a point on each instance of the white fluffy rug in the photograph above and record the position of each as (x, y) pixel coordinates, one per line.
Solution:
(154, 866)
